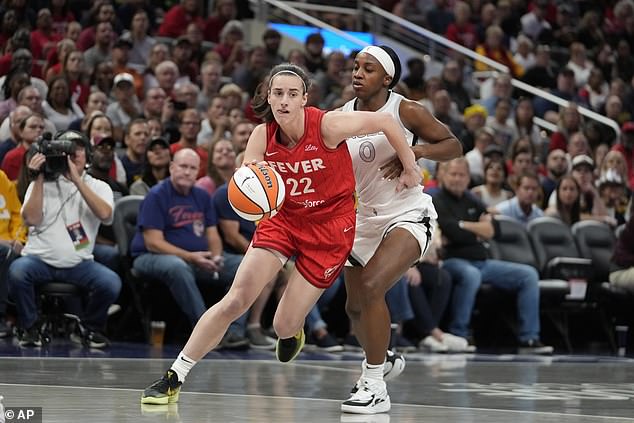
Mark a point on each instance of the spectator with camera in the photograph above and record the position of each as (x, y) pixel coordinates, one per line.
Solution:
(63, 208)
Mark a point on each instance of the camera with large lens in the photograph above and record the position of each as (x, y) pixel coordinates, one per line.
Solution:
(56, 152)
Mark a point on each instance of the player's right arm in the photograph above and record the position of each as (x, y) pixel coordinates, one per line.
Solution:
(256, 146)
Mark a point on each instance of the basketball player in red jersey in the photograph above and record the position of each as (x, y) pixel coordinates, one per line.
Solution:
(316, 225)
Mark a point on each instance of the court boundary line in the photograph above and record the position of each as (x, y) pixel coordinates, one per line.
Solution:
(306, 363)
(218, 394)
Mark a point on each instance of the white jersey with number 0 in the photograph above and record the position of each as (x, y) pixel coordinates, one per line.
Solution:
(380, 207)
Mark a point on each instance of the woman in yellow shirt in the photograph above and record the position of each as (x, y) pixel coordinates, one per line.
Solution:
(12, 238)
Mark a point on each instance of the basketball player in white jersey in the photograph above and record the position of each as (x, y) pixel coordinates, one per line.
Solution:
(393, 228)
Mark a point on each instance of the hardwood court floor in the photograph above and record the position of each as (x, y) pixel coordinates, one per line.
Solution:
(84, 386)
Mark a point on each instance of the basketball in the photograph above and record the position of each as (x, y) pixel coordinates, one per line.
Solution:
(256, 192)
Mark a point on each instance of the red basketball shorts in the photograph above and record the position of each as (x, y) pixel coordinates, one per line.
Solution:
(320, 247)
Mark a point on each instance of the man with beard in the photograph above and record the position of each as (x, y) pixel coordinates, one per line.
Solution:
(272, 39)
(556, 168)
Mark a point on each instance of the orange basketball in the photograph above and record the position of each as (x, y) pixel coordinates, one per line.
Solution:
(256, 191)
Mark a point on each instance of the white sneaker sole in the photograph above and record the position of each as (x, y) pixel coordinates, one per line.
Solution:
(382, 407)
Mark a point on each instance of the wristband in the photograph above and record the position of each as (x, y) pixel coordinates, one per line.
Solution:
(461, 224)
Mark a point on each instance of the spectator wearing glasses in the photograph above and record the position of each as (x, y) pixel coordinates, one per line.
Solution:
(189, 127)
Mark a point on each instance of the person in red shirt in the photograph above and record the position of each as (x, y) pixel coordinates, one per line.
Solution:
(178, 17)
(570, 121)
(462, 31)
(105, 13)
(225, 10)
(306, 145)
(31, 129)
(231, 47)
(62, 17)
(189, 128)
(73, 68)
(44, 37)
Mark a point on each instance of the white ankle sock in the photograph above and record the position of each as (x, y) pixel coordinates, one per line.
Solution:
(373, 371)
(182, 365)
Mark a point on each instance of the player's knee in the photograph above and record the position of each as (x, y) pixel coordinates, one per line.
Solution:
(373, 289)
(353, 309)
(235, 305)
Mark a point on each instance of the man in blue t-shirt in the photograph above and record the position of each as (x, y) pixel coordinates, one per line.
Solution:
(177, 241)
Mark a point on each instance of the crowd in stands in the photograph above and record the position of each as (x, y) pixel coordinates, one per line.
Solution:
(161, 96)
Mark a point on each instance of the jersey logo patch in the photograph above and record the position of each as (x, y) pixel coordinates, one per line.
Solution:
(310, 147)
(328, 272)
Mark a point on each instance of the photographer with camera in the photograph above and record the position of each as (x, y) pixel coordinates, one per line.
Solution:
(63, 208)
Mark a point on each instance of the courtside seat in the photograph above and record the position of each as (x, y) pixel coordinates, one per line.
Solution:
(596, 241)
(513, 244)
(558, 256)
(126, 211)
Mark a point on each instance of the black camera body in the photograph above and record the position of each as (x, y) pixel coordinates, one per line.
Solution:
(56, 152)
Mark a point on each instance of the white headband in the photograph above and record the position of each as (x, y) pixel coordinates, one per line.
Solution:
(292, 73)
(383, 58)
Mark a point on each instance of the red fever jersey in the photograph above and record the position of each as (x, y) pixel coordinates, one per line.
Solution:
(316, 223)
(319, 181)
